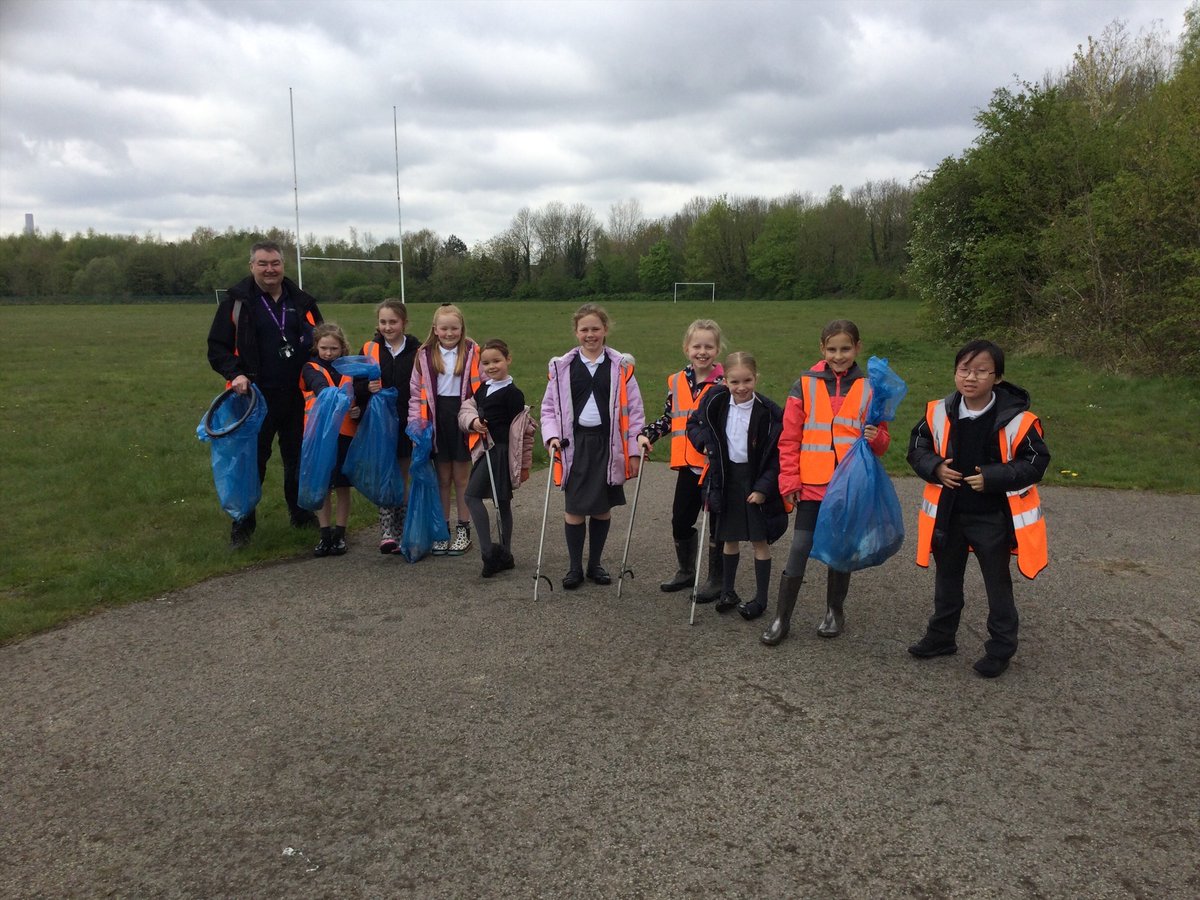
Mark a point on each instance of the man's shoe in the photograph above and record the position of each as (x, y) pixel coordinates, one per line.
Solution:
(599, 575)
(928, 648)
(572, 580)
(991, 666)
(240, 532)
(303, 518)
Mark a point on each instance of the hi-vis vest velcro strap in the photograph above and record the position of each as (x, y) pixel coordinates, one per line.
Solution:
(683, 404)
(826, 438)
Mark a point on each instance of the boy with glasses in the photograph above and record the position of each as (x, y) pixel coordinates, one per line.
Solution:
(981, 452)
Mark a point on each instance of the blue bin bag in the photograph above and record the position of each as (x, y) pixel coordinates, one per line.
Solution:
(860, 523)
(425, 522)
(357, 367)
(887, 390)
(318, 452)
(230, 428)
(371, 463)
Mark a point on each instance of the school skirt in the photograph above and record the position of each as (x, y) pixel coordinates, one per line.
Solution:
(480, 484)
(451, 442)
(587, 490)
(739, 520)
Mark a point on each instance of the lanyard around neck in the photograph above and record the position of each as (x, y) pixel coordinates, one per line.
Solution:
(280, 320)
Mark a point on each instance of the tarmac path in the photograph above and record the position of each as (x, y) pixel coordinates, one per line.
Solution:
(362, 727)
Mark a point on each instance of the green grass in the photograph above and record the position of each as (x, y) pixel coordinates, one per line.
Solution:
(111, 497)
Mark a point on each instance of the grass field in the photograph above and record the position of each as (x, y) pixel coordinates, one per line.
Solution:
(112, 497)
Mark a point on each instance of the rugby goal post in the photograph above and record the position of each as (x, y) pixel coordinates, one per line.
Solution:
(712, 285)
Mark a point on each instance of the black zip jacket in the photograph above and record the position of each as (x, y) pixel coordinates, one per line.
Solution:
(224, 339)
(706, 431)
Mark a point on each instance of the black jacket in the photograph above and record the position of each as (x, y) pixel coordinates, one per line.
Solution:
(223, 337)
(1027, 466)
(706, 431)
(394, 371)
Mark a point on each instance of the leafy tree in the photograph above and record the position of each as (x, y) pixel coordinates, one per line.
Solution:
(658, 270)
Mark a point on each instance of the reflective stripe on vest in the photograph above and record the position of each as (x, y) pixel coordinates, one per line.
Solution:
(1025, 506)
(683, 454)
(826, 438)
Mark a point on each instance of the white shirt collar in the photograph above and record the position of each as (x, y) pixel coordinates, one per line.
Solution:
(964, 413)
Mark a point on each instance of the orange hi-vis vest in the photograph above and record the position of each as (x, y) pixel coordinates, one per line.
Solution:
(624, 373)
(473, 381)
(683, 404)
(1024, 505)
(349, 425)
(826, 438)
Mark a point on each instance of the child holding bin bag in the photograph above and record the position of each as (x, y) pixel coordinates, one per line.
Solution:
(824, 416)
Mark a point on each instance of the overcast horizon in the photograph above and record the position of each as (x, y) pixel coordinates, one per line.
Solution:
(158, 117)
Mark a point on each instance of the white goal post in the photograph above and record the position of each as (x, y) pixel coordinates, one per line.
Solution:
(708, 284)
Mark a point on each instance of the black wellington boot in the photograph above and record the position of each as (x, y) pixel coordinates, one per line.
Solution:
(789, 589)
(685, 554)
(711, 589)
(835, 605)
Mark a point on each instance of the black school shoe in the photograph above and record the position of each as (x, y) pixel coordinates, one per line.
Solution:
(572, 580)
(728, 601)
(752, 610)
(599, 575)
(928, 647)
(325, 545)
(491, 561)
(991, 666)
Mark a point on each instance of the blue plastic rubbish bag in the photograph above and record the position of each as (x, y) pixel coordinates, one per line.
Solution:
(425, 522)
(887, 390)
(230, 428)
(357, 367)
(860, 523)
(318, 452)
(371, 463)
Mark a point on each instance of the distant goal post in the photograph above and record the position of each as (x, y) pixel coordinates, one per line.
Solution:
(711, 285)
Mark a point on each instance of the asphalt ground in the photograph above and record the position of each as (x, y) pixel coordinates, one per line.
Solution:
(363, 727)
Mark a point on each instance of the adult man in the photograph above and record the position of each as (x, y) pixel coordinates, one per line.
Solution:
(262, 333)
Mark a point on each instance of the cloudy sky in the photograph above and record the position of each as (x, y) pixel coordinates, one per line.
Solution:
(148, 116)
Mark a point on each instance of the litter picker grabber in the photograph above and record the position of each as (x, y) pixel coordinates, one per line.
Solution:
(625, 570)
(488, 444)
(538, 577)
(699, 559)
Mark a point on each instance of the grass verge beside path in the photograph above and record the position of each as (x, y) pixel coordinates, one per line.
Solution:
(111, 496)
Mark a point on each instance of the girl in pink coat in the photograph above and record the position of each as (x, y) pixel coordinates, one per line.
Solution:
(591, 417)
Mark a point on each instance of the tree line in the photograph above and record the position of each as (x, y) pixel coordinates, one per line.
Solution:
(794, 247)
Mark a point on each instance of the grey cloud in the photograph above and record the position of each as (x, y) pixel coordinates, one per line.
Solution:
(128, 116)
